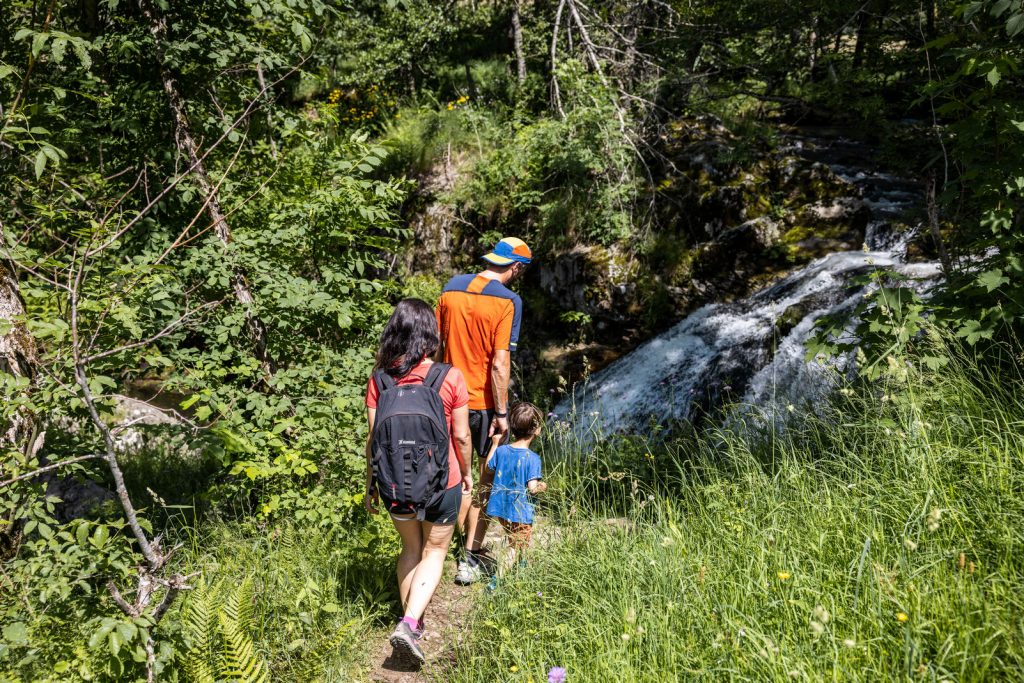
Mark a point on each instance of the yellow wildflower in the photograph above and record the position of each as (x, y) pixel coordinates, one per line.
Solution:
(513, 668)
(901, 617)
(784, 576)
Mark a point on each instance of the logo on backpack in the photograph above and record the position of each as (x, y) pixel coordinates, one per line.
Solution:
(410, 426)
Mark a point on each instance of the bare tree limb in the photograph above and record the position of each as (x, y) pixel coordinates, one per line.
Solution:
(556, 96)
(50, 468)
(170, 327)
(125, 606)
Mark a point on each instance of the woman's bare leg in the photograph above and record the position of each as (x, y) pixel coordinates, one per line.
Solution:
(411, 533)
(428, 572)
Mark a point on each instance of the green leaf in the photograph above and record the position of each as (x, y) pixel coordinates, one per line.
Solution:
(994, 76)
(82, 534)
(974, 331)
(100, 536)
(39, 42)
(992, 280)
(57, 48)
(16, 633)
(1015, 25)
(40, 163)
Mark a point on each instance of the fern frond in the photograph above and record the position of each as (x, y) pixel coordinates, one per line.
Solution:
(240, 661)
(200, 627)
(316, 661)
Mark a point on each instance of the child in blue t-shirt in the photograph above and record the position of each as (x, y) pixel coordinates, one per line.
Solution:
(517, 477)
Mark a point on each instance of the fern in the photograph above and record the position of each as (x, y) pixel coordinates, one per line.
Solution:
(219, 636)
(240, 662)
(315, 664)
(200, 625)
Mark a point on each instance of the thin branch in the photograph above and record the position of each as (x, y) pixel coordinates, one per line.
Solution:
(177, 322)
(50, 468)
(128, 609)
(556, 96)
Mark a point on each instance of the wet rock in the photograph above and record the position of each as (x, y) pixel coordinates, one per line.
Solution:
(598, 281)
(851, 211)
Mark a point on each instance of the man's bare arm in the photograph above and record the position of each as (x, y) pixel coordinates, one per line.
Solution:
(501, 371)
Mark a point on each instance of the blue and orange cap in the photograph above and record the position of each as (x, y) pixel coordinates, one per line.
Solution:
(509, 250)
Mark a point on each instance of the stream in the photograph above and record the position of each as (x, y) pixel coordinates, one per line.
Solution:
(752, 351)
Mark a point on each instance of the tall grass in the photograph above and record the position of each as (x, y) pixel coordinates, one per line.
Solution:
(310, 598)
(881, 539)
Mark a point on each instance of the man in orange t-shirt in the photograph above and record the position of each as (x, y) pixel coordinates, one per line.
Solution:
(479, 319)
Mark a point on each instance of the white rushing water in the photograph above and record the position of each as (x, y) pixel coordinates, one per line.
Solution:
(750, 351)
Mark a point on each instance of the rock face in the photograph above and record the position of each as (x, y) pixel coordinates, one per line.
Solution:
(729, 222)
(594, 280)
(434, 223)
(731, 216)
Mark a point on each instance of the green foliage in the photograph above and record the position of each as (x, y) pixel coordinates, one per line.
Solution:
(221, 633)
(888, 329)
(574, 178)
(290, 603)
(878, 541)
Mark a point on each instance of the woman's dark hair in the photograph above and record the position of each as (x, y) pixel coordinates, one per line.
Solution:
(524, 419)
(409, 337)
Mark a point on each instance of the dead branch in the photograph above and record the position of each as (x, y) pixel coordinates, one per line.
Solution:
(556, 96)
(50, 468)
(170, 327)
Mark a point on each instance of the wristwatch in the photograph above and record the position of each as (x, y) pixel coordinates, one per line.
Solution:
(498, 414)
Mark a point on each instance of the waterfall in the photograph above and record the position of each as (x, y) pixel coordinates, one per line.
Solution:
(752, 351)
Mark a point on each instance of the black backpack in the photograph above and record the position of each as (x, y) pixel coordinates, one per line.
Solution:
(410, 441)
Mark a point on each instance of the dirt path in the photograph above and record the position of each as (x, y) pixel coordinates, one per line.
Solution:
(445, 620)
(444, 624)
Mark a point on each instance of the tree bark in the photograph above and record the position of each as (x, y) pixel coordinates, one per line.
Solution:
(863, 28)
(18, 359)
(517, 42)
(812, 50)
(187, 145)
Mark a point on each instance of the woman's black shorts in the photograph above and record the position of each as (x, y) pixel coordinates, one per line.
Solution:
(444, 512)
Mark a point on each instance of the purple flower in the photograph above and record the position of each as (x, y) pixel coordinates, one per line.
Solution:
(556, 675)
(552, 415)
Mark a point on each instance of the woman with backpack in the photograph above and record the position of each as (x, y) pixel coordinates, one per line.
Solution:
(417, 457)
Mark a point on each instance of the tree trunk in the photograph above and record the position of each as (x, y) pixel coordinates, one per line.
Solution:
(863, 28)
(470, 83)
(17, 358)
(517, 42)
(187, 145)
(812, 50)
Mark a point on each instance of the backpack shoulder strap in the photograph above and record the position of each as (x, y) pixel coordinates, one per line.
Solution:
(384, 381)
(436, 376)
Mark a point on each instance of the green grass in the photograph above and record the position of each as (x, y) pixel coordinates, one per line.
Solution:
(308, 599)
(785, 558)
(734, 555)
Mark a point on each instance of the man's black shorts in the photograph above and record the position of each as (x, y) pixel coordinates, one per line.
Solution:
(479, 425)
